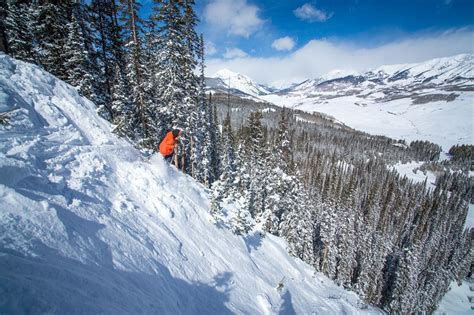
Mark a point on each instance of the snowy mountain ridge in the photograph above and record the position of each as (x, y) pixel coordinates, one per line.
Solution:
(457, 70)
(226, 79)
(90, 226)
(407, 101)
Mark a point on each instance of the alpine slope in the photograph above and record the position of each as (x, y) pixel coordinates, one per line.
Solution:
(87, 225)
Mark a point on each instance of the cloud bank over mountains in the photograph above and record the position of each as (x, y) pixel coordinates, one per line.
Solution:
(320, 56)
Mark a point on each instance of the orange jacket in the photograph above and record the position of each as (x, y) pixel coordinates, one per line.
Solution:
(167, 144)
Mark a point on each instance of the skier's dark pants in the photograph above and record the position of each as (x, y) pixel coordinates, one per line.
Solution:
(169, 158)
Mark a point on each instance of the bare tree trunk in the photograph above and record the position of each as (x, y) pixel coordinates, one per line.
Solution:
(175, 157)
(136, 64)
(193, 163)
(183, 162)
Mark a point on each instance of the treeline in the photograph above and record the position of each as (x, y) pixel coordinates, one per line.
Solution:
(145, 75)
(315, 132)
(463, 154)
(329, 191)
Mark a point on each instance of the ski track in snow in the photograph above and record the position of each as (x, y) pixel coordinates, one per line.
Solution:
(88, 226)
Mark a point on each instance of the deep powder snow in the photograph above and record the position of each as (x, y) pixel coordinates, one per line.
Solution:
(87, 225)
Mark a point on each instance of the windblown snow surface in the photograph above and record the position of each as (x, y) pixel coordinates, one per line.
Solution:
(87, 225)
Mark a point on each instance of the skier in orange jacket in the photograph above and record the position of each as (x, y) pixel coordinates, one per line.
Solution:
(169, 142)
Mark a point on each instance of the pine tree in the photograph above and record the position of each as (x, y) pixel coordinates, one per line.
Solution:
(18, 26)
(192, 48)
(110, 53)
(283, 187)
(224, 187)
(50, 35)
(168, 14)
(405, 296)
(241, 223)
(78, 63)
(135, 73)
(158, 123)
(255, 168)
(213, 138)
(3, 31)
(296, 226)
(201, 146)
(122, 105)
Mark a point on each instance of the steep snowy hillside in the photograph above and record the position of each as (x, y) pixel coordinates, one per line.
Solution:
(225, 79)
(427, 101)
(89, 226)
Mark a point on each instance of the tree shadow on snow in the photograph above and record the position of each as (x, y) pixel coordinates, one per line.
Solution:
(253, 241)
(52, 283)
(287, 306)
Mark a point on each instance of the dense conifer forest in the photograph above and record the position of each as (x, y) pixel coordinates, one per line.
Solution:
(330, 191)
(326, 188)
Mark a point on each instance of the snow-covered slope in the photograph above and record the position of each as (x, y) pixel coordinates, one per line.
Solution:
(433, 100)
(457, 70)
(89, 226)
(225, 79)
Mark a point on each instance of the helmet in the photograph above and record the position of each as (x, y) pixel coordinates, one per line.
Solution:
(176, 132)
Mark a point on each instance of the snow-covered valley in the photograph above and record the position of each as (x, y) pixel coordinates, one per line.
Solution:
(432, 100)
(87, 225)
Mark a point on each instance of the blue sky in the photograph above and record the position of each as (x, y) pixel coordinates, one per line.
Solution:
(366, 23)
(301, 39)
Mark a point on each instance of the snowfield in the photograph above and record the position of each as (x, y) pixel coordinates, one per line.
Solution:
(87, 225)
(441, 122)
(431, 100)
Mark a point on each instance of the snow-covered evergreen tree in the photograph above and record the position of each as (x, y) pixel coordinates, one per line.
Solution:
(135, 70)
(241, 222)
(109, 48)
(283, 187)
(296, 224)
(171, 59)
(224, 188)
(405, 295)
(255, 168)
(50, 35)
(18, 24)
(78, 63)
(122, 105)
(200, 149)
(3, 29)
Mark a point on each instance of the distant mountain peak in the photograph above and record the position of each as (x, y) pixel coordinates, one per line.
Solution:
(226, 73)
(444, 71)
(240, 82)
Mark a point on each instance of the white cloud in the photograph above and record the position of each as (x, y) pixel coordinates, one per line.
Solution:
(318, 57)
(234, 53)
(283, 43)
(309, 13)
(237, 17)
(210, 48)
